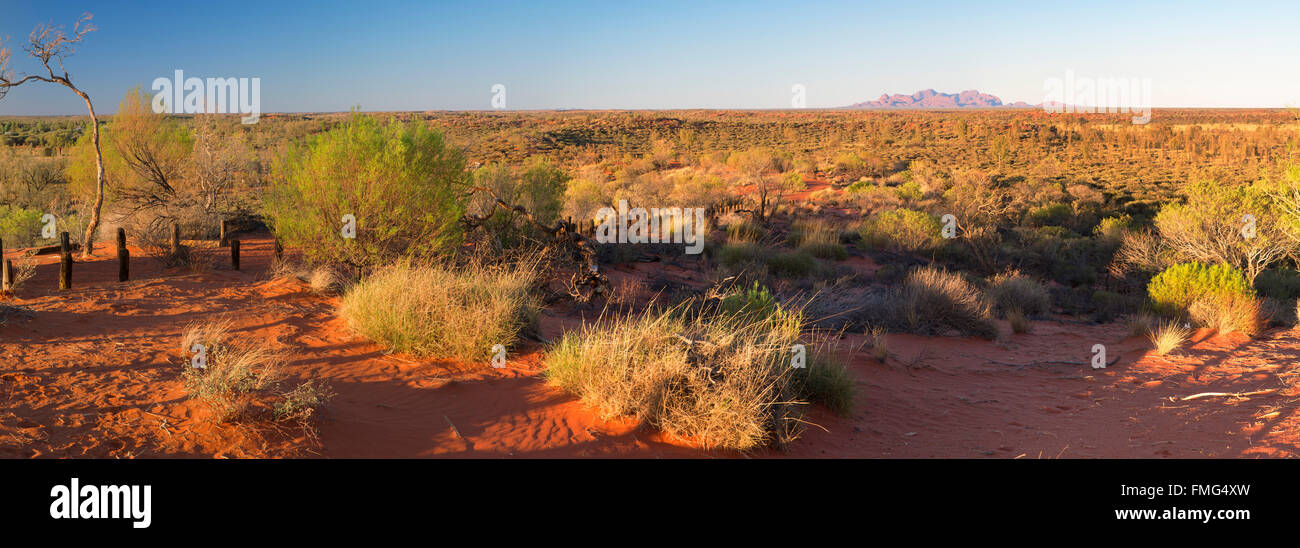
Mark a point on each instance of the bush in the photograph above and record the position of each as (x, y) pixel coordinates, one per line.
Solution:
(1014, 291)
(20, 227)
(791, 264)
(1177, 287)
(819, 239)
(1282, 284)
(402, 183)
(723, 380)
(443, 312)
(933, 300)
(236, 371)
(902, 230)
(1215, 296)
(756, 301)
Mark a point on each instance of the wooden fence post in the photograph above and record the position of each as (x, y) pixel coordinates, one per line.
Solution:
(123, 256)
(176, 237)
(65, 262)
(234, 254)
(224, 241)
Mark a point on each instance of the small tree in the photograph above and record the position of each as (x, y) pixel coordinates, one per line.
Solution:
(1213, 227)
(49, 44)
(761, 167)
(401, 184)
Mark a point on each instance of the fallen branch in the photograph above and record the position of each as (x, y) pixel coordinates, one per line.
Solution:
(1050, 362)
(1229, 394)
(588, 270)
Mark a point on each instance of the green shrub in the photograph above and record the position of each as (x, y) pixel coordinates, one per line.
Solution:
(1177, 287)
(1282, 284)
(791, 264)
(756, 301)
(1049, 215)
(19, 227)
(902, 229)
(402, 182)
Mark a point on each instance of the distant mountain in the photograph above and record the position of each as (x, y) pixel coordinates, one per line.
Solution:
(928, 98)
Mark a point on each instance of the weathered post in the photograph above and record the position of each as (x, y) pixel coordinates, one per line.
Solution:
(176, 237)
(123, 256)
(224, 242)
(234, 254)
(65, 262)
(7, 278)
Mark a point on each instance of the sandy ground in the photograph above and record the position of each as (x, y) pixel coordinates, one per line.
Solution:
(97, 374)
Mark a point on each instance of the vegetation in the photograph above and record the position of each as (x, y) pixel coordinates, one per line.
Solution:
(444, 311)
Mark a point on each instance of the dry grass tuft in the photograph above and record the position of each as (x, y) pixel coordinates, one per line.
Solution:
(724, 379)
(1168, 336)
(933, 300)
(443, 311)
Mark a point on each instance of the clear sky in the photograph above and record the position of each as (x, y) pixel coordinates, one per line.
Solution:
(427, 55)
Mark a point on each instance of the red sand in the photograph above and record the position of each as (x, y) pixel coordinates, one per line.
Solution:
(97, 374)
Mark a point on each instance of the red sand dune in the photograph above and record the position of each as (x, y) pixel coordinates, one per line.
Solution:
(97, 374)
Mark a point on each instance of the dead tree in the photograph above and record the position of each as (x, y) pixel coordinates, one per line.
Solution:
(49, 45)
(587, 282)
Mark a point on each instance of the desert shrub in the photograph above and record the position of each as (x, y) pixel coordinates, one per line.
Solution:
(756, 301)
(725, 381)
(908, 191)
(20, 227)
(745, 230)
(791, 264)
(1018, 321)
(934, 300)
(401, 182)
(1215, 296)
(1108, 305)
(1282, 284)
(1113, 229)
(1208, 228)
(902, 230)
(1177, 287)
(1141, 252)
(444, 311)
(241, 371)
(237, 370)
(1049, 215)
(742, 254)
(819, 239)
(302, 402)
(826, 381)
(878, 336)
(1015, 291)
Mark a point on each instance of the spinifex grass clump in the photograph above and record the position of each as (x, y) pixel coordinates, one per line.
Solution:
(934, 300)
(444, 311)
(721, 376)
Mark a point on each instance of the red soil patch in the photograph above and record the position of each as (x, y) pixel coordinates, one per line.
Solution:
(97, 373)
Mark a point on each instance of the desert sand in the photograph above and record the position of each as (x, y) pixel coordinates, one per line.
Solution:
(96, 373)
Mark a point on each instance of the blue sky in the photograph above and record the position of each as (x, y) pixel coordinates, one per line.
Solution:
(381, 55)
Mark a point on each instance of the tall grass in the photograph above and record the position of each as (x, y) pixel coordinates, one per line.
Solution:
(443, 311)
(933, 300)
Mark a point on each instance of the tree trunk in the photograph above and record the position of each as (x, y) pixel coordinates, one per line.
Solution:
(88, 249)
